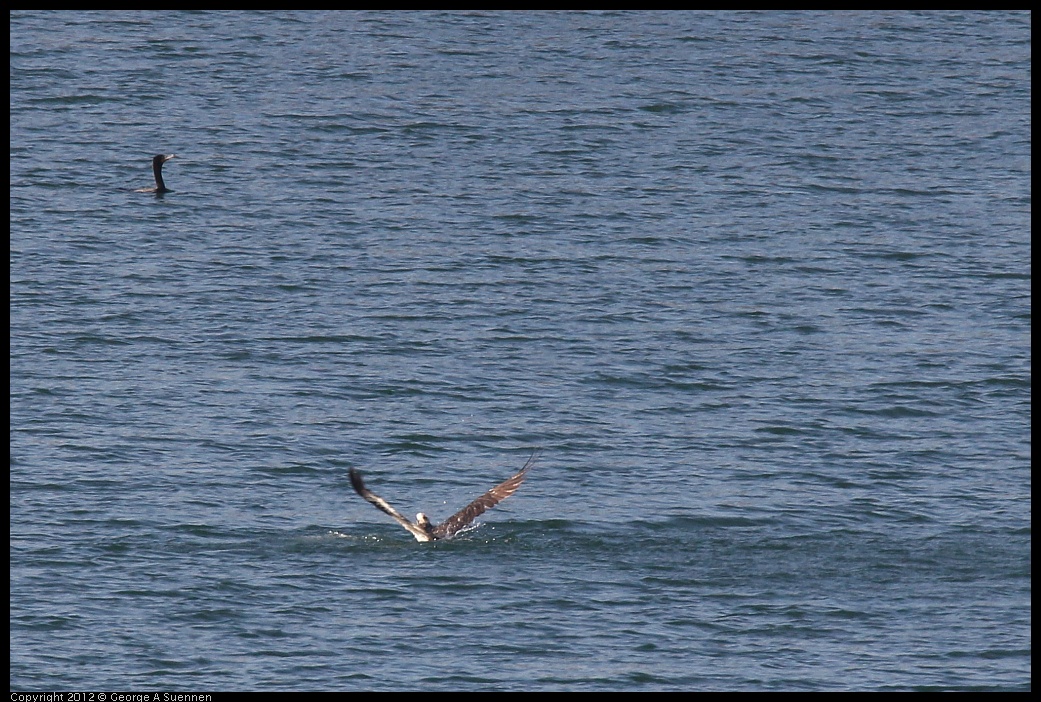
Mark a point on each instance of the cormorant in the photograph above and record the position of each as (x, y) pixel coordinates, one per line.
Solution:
(157, 169)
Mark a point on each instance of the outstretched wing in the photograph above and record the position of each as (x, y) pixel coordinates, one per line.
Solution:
(485, 502)
(381, 504)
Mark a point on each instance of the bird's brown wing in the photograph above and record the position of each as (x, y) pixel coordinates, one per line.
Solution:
(381, 504)
(497, 494)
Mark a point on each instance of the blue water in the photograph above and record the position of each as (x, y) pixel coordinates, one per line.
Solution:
(758, 284)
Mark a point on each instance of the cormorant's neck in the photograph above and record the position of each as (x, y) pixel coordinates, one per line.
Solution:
(160, 186)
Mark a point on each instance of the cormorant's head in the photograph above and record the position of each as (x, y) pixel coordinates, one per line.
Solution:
(160, 159)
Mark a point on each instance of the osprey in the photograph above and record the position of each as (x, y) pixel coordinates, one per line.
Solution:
(423, 530)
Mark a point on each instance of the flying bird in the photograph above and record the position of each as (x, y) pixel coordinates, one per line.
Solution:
(422, 529)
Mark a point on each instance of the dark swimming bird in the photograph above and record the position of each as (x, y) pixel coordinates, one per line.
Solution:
(423, 530)
(157, 169)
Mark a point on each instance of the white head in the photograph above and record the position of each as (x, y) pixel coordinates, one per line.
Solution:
(421, 520)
